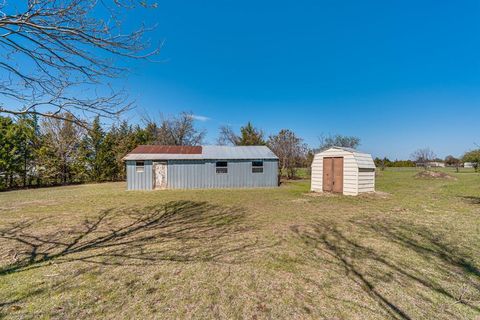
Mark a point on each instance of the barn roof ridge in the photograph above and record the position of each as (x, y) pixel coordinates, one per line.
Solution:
(347, 149)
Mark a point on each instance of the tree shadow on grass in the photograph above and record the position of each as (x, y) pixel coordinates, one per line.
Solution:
(180, 231)
(471, 199)
(374, 268)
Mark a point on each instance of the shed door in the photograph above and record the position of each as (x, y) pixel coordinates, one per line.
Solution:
(338, 175)
(333, 174)
(160, 175)
(327, 174)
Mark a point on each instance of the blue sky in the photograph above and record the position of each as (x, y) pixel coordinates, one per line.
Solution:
(399, 74)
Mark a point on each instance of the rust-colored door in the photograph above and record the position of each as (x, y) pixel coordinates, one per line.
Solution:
(327, 174)
(333, 175)
(338, 175)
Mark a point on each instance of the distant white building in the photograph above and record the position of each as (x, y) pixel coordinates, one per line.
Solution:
(432, 164)
(468, 165)
(436, 164)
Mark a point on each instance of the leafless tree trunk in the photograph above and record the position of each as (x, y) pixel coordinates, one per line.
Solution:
(57, 56)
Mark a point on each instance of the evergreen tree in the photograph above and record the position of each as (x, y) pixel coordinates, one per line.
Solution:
(94, 151)
(7, 152)
(251, 136)
(110, 168)
(26, 140)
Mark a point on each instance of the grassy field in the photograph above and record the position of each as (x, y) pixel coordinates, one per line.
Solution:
(412, 251)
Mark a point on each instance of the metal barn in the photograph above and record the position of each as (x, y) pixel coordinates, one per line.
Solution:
(343, 170)
(200, 167)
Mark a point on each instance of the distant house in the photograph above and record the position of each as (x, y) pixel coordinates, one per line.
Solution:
(343, 170)
(152, 167)
(469, 165)
(436, 164)
(431, 164)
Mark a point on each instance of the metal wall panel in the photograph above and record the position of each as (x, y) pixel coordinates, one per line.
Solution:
(139, 180)
(201, 174)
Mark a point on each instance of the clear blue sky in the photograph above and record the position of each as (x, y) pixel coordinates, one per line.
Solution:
(399, 74)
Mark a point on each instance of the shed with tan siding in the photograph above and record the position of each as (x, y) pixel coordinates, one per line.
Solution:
(343, 170)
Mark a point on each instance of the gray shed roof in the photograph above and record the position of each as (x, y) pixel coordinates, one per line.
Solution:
(211, 153)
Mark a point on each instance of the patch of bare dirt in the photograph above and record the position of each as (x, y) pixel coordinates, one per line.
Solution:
(300, 200)
(434, 175)
(376, 195)
(321, 194)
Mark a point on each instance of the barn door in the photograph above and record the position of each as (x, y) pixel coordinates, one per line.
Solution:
(160, 175)
(333, 175)
(328, 174)
(338, 175)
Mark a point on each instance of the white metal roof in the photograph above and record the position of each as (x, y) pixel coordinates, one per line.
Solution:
(211, 153)
(364, 160)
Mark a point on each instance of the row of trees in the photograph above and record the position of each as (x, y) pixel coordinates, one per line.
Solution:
(387, 163)
(423, 157)
(54, 151)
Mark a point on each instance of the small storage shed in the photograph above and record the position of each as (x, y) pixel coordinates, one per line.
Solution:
(343, 170)
(152, 167)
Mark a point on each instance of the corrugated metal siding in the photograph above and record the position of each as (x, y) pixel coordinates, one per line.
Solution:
(201, 174)
(139, 180)
(364, 161)
(366, 181)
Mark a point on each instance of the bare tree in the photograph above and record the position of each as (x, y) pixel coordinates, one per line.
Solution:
(228, 136)
(60, 147)
(338, 141)
(57, 57)
(422, 157)
(177, 131)
(290, 150)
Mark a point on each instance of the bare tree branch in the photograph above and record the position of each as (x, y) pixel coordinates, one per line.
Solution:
(57, 56)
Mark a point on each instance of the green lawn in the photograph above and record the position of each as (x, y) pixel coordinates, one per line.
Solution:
(410, 252)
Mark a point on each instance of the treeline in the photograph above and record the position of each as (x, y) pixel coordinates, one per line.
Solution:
(385, 162)
(51, 152)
